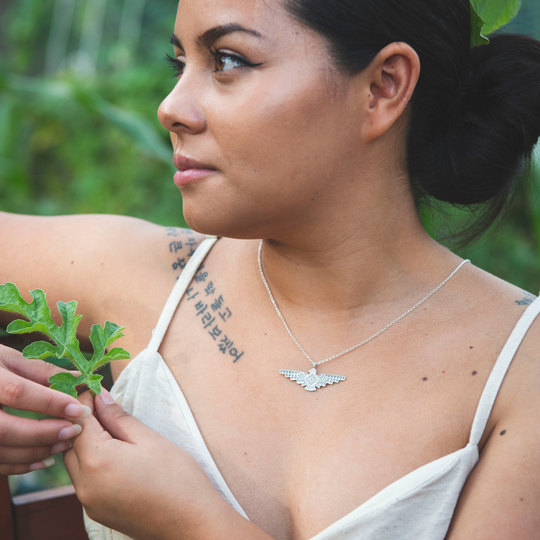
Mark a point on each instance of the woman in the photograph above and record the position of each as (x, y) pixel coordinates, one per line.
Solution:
(313, 125)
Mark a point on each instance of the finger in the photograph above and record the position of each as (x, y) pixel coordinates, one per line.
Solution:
(34, 370)
(25, 455)
(71, 463)
(23, 469)
(116, 421)
(17, 431)
(21, 393)
(87, 446)
(87, 400)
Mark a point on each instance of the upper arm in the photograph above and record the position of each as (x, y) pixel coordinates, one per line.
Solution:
(117, 268)
(502, 495)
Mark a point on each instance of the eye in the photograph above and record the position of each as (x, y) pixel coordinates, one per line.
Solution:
(226, 61)
(176, 64)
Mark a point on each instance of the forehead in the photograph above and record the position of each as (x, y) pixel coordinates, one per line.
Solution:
(260, 15)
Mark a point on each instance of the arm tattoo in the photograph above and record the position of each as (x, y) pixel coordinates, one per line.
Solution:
(528, 299)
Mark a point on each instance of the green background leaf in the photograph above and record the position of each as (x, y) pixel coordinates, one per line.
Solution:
(477, 25)
(496, 13)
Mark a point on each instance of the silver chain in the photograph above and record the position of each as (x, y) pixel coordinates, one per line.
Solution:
(315, 364)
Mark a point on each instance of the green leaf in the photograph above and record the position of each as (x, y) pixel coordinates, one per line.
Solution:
(94, 383)
(66, 382)
(39, 320)
(116, 354)
(40, 350)
(477, 24)
(101, 338)
(495, 13)
(65, 343)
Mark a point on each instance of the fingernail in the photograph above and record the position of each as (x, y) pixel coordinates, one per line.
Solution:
(74, 410)
(106, 397)
(42, 464)
(60, 447)
(69, 432)
(87, 411)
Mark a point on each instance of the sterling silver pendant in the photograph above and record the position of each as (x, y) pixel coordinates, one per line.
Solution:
(311, 381)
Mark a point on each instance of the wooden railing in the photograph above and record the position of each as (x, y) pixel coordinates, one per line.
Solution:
(52, 514)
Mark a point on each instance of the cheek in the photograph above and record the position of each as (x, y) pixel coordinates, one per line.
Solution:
(284, 138)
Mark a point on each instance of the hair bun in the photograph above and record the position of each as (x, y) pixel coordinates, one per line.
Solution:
(478, 147)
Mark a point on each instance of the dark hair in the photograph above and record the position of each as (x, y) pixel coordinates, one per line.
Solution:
(475, 113)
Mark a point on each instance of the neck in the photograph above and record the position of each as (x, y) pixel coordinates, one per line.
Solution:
(364, 257)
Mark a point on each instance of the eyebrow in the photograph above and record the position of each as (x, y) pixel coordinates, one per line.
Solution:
(209, 37)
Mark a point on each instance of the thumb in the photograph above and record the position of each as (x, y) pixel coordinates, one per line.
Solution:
(114, 419)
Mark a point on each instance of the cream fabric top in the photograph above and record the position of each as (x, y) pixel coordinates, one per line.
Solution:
(418, 506)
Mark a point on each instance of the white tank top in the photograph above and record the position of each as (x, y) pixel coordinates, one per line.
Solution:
(418, 506)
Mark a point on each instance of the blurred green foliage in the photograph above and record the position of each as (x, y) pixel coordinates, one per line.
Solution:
(80, 83)
(86, 137)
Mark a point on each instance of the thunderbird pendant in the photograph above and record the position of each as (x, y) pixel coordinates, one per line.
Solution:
(311, 381)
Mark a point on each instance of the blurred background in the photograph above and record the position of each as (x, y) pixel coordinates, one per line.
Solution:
(80, 83)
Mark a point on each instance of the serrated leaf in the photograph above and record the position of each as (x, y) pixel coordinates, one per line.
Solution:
(66, 345)
(117, 354)
(66, 383)
(39, 320)
(39, 350)
(101, 338)
(66, 336)
(25, 327)
(94, 383)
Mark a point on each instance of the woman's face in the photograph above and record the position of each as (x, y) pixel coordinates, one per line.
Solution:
(260, 107)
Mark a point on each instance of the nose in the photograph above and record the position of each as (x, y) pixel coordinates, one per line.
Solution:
(180, 113)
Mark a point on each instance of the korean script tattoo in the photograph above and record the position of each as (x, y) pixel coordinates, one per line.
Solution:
(182, 245)
(208, 304)
(212, 310)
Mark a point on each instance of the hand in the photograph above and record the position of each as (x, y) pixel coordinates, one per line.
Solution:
(25, 443)
(131, 479)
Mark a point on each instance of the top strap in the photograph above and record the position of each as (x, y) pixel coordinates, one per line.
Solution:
(499, 371)
(178, 291)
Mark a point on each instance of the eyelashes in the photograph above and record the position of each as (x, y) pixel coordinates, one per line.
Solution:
(176, 65)
(223, 61)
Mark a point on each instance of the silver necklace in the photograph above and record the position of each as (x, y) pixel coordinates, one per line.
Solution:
(312, 381)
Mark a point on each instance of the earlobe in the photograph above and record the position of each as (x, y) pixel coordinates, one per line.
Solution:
(393, 75)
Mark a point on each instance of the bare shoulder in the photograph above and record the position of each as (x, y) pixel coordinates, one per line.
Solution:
(501, 496)
(114, 266)
(504, 305)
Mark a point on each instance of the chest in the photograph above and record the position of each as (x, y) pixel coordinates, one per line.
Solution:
(298, 461)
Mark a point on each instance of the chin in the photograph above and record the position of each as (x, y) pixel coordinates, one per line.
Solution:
(227, 223)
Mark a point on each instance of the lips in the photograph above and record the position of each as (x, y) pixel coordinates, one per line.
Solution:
(183, 163)
(190, 170)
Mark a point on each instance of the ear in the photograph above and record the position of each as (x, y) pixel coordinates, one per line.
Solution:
(391, 79)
